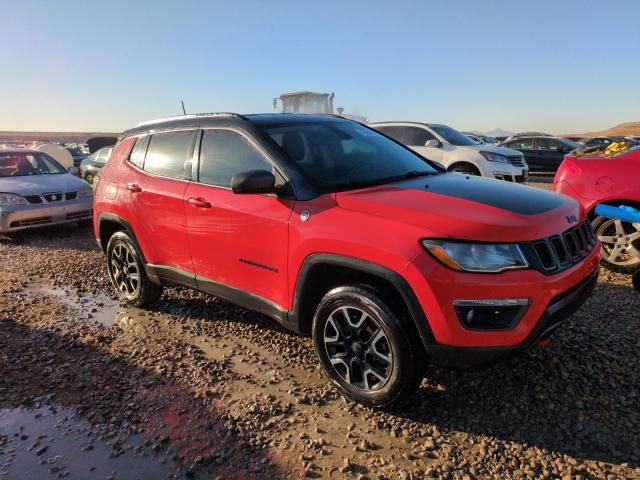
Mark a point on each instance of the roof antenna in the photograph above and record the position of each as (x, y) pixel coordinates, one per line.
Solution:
(184, 112)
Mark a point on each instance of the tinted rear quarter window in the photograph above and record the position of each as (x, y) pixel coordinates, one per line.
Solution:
(168, 153)
(224, 154)
(138, 151)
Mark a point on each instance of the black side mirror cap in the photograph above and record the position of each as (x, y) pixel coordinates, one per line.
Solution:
(254, 181)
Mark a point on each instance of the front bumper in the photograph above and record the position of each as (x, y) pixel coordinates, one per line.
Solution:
(437, 288)
(504, 171)
(560, 308)
(23, 217)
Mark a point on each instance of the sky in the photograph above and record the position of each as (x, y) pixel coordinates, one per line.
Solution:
(558, 66)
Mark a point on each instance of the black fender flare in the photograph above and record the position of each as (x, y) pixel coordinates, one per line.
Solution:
(402, 286)
(126, 226)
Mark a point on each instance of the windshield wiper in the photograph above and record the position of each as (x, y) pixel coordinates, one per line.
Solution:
(394, 178)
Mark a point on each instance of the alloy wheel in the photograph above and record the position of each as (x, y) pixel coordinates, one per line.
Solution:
(358, 348)
(620, 242)
(124, 270)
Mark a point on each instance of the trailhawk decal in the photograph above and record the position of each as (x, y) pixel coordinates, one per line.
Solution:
(496, 193)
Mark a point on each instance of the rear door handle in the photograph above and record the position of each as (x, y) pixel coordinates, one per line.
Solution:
(199, 202)
(133, 187)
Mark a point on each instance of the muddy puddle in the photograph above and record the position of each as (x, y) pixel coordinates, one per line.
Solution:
(52, 442)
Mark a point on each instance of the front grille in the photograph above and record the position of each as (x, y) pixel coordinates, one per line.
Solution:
(30, 222)
(559, 252)
(53, 197)
(84, 214)
(516, 160)
(33, 199)
(70, 195)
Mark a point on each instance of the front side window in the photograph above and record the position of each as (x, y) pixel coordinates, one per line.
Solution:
(547, 144)
(22, 164)
(223, 154)
(454, 137)
(168, 153)
(342, 155)
(521, 144)
(417, 137)
(395, 132)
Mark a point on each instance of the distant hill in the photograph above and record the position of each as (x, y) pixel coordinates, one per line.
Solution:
(496, 132)
(65, 137)
(624, 129)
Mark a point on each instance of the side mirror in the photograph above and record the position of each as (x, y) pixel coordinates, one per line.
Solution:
(73, 170)
(254, 181)
(432, 143)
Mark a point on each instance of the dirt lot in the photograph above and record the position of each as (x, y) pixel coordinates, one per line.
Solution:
(198, 388)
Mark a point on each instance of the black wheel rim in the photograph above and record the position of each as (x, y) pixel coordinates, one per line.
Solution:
(358, 348)
(124, 271)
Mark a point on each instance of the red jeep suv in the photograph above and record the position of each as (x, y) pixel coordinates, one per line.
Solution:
(336, 230)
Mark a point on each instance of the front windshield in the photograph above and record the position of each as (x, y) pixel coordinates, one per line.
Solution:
(20, 164)
(452, 136)
(345, 154)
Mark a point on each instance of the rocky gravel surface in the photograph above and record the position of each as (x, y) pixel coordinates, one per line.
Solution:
(197, 388)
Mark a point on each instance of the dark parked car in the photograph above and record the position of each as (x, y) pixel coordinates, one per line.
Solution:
(92, 164)
(542, 153)
(77, 155)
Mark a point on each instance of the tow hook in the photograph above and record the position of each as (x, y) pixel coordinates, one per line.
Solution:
(543, 343)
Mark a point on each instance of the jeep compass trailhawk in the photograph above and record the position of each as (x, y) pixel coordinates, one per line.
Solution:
(338, 231)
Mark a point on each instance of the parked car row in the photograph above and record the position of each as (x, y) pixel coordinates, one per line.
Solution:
(457, 152)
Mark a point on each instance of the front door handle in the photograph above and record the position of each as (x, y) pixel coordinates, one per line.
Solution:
(133, 187)
(199, 202)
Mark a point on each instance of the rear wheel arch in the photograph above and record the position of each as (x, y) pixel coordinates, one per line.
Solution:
(320, 273)
(109, 224)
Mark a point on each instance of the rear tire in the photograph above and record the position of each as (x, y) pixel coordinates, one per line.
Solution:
(466, 169)
(620, 251)
(127, 273)
(363, 347)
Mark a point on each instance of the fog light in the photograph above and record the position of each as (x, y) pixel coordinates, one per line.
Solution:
(489, 314)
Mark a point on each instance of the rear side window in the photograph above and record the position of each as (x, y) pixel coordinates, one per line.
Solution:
(417, 137)
(224, 154)
(137, 154)
(168, 153)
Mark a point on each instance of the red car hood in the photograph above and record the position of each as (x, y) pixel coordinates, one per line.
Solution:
(468, 208)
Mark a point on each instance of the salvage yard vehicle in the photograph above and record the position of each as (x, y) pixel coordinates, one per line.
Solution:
(457, 152)
(543, 153)
(337, 231)
(594, 178)
(36, 191)
(91, 165)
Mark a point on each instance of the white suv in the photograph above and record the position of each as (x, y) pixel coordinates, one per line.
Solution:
(457, 152)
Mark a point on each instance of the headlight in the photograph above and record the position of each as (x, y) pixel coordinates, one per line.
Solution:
(85, 192)
(476, 257)
(12, 199)
(495, 157)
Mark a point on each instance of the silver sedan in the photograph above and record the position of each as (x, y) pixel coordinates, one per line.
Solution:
(36, 191)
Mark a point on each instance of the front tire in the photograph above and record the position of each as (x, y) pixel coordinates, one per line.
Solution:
(363, 348)
(620, 240)
(127, 274)
(466, 169)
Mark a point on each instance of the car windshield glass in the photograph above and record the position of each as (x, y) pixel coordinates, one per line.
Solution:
(20, 164)
(342, 155)
(452, 136)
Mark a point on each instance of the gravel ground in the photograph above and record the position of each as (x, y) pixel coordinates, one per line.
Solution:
(197, 388)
